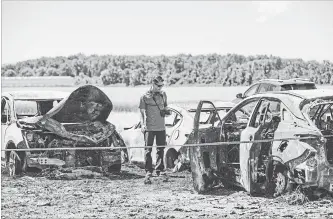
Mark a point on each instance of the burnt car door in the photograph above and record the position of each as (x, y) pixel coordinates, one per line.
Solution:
(204, 159)
(254, 156)
(233, 126)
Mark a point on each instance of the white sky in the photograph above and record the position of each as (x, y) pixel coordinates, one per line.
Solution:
(31, 29)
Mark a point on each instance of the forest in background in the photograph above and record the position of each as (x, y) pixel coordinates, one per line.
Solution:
(227, 70)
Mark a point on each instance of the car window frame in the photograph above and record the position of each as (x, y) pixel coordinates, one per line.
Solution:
(292, 116)
(178, 114)
(275, 86)
(264, 84)
(241, 105)
(253, 118)
(250, 88)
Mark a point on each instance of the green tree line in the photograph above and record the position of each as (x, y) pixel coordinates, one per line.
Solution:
(228, 70)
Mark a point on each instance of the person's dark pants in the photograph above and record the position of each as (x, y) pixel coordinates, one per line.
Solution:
(149, 140)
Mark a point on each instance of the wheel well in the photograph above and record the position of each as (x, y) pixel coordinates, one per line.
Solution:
(170, 152)
(173, 152)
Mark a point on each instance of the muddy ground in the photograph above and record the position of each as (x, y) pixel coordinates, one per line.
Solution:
(125, 196)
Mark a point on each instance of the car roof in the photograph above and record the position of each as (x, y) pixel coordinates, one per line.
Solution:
(295, 98)
(287, 81)
(36, 95)
(304, 94)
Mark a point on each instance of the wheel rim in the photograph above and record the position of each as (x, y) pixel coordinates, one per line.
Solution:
(280, 183)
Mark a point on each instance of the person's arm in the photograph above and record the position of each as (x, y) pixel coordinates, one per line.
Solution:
(167, 110)
(142, 107)
(165, 100)
(142, 117)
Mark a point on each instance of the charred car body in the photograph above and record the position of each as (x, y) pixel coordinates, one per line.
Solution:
(57, 120)
(268, 167)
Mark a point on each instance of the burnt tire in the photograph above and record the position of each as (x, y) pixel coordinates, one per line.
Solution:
(115, 168)
(276, 178)
(170, 157)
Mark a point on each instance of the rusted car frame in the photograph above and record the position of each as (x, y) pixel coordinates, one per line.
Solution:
(268, 167)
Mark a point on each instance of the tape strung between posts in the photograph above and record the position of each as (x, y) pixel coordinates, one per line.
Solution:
(165, 146)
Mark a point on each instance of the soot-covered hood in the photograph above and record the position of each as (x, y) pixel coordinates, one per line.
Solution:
(86, 104)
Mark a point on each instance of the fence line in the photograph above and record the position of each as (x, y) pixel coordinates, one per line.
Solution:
(166, 146)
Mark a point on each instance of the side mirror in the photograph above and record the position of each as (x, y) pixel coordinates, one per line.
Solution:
(239, 95)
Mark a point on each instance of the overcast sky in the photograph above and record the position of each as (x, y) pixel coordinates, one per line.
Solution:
(31, 29)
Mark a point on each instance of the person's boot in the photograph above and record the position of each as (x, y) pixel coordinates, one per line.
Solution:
(147, 178)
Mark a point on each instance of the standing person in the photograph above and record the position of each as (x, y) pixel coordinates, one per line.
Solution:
(153, 107)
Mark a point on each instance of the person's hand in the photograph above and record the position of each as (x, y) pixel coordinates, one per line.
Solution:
(143, 128)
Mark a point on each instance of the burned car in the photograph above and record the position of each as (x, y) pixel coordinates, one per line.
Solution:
(179, 125)
(59, 120)
(288, 142)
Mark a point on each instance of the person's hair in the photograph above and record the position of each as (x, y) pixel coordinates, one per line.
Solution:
(158, 79)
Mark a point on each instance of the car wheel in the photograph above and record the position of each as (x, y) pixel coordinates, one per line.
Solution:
(115, 168)
(170, 157)
(277, 180)
(14, 164)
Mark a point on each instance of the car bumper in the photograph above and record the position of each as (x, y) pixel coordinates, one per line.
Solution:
(107, 158)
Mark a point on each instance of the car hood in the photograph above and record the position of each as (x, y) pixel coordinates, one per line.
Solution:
(85, 104)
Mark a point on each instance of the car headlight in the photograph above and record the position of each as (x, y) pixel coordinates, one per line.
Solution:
(30, 136)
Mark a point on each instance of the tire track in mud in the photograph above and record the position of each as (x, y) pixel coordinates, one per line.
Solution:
(126, 196)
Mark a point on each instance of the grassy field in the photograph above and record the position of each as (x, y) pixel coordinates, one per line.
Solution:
(126, 99)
